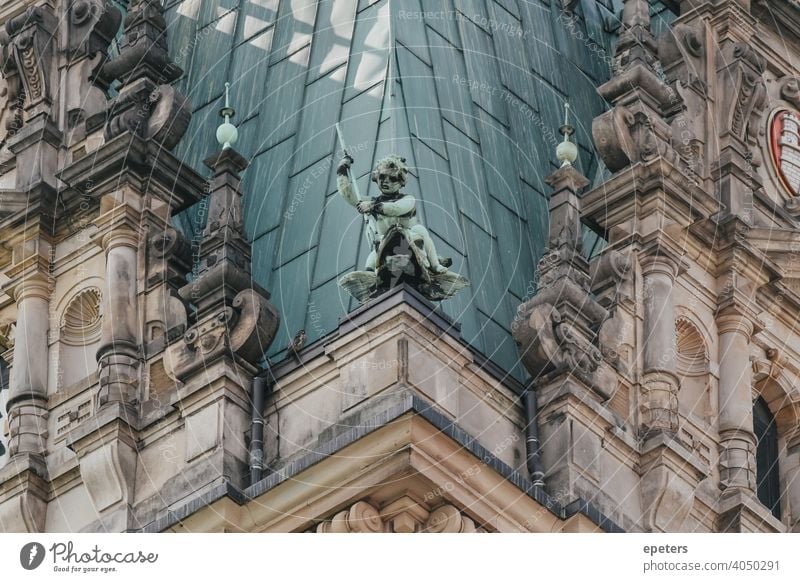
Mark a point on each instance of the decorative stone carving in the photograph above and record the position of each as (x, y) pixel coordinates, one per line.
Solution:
(170, 115)
(27, 50)
(682, 55)
(80, 323)
(401, 248)
(234, 315)
(404, 515)
(555, 343)
(143, 51)
(790, 90)
(552, 329)
(10, 108)
(636, 44)
(742, 107)
(147, 105)
(360, 518)
(169, 260)
(244, 329)
(624, 138)
(93, 26)
(636, 128)
(401, 516)
(448, 519)
(691, 349)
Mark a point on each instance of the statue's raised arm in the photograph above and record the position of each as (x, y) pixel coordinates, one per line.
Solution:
(343, 183)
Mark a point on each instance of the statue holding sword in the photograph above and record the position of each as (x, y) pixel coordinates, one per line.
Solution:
(401, 248)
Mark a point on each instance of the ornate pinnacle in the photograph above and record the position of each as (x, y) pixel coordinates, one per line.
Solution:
(636, 42)
(566, 152)
(636, 13)
(227, 134)
(143, 51)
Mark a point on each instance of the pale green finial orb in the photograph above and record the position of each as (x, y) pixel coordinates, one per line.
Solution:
(227, 134)
(566, 152)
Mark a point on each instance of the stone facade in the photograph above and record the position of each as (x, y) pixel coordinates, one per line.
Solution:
(666, 356)
(139, 398)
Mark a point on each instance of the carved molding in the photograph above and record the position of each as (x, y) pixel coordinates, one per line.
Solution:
(771, 381)
(624, 137)
(790, 90)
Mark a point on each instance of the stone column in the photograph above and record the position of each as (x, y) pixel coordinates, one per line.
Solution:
(27, 397)
(660, 381)
(118, 354)
(737, 440)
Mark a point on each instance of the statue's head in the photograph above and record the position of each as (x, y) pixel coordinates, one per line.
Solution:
(390, 174)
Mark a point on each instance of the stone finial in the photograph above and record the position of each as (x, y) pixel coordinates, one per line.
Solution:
(567, 151)
(227, 134)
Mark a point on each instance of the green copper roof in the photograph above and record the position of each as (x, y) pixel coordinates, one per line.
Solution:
(476, 106)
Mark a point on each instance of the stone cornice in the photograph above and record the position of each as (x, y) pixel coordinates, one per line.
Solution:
(11, 8)
(147, 167)
(645, 188)
(34, 216)
(24, 491)
(783, 15)
(398, 440)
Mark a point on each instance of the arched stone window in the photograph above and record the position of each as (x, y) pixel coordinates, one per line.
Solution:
(767, 472)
